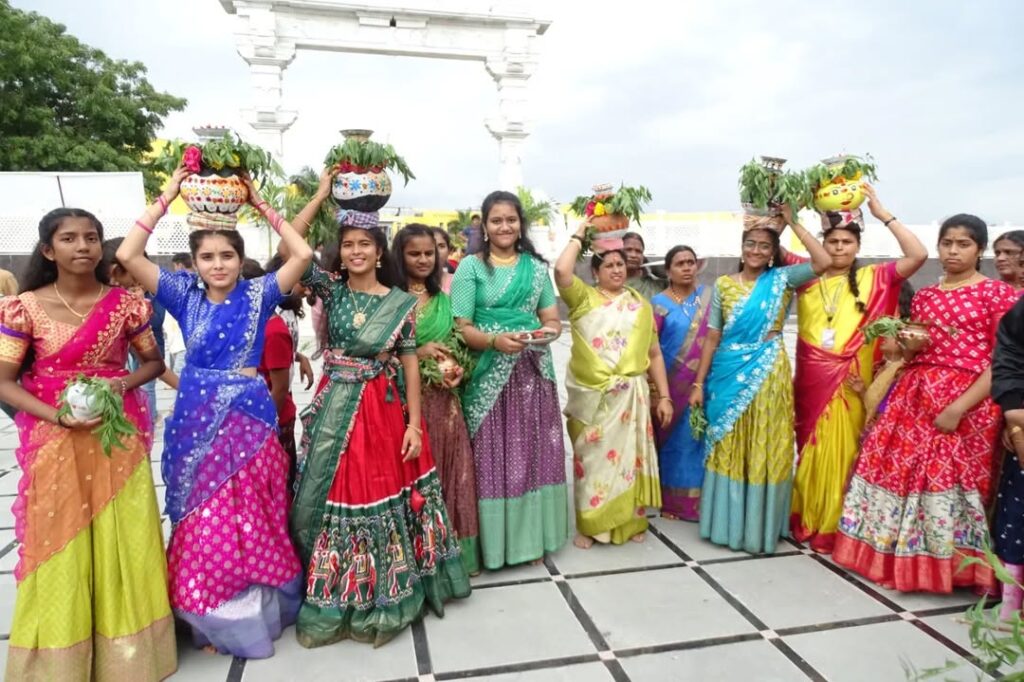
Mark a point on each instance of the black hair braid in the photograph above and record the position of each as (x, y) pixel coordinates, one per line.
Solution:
(851, 277)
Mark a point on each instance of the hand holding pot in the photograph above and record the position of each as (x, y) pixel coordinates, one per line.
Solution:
(254, 196)
(874, 205)
(174, 183)
(70, 423)
(323, 190)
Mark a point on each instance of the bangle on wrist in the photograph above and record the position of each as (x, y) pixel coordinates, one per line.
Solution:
(416, 429)
(664, 398)
(696, 385)
(139, 223)
(577, 238)
(163, 204)
(124, 386)
(890, 220)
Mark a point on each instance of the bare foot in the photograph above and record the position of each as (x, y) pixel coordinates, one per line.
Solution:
(210, 649)
(537, 562)
(583, 542)
(667, 515)
(639, 537)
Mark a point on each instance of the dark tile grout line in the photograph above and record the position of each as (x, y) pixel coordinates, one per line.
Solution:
(783, 648)
(885, 601)
(525, 666)
(236, 670)
(421, 648)
(589, 626)
(6, 550)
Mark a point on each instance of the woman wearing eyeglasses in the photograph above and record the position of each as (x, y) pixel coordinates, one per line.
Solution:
(749, 405)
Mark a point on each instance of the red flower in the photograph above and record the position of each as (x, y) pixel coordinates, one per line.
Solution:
(192, 158)
(589, 210)
(376, 169)
(345, 167)
(612, 456)
(416, 500)
(577, 467)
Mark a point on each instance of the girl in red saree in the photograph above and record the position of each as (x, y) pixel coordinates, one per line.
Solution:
(92, 582)
(915, 506)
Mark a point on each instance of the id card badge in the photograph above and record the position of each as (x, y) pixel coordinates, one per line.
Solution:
(828, 338)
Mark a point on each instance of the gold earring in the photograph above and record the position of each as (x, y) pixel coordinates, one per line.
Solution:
(378, 263)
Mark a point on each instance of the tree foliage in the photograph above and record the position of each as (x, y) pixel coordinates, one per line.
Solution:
(65, 106)
(536, 212)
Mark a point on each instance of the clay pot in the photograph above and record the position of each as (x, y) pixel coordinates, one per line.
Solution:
(914, 336)
(214, 197)
(609, 223)
(365, 192)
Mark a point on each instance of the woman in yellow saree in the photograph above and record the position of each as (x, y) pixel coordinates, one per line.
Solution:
(614, 350)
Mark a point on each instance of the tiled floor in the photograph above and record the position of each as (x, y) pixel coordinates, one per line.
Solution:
(672, 608)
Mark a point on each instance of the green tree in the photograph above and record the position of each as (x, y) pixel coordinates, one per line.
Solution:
(65, 106)
(461, 222)
(536, 212)
(301, 189)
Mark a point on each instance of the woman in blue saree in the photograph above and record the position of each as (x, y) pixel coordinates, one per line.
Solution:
(681, 317)
(749, 445)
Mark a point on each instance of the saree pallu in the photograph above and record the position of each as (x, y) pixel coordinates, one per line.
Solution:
(749, 444)
(514, 421)
(92, 580)
(682, 329)
(915, 506)
(371, 529)
(829, 415)
(449, 438)
(235, 578)
(614, 460)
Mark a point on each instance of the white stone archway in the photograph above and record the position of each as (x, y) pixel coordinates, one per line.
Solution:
(504, 37)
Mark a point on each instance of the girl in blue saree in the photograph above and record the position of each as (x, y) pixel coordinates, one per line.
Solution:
(234, 576)
(749, 445)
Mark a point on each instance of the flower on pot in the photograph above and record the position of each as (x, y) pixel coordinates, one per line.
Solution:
(362, 156)
(223, 155)
(836, 182)
(86, 398)
(609, 211)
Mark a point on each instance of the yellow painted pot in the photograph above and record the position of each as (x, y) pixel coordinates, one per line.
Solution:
(841, 194)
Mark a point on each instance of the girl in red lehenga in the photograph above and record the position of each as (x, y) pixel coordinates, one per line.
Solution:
(916, 504)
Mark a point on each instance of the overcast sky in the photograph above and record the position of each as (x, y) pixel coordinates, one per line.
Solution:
(673, 95)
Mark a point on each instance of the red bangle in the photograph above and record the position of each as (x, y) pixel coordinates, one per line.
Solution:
(138, 223)
(163, 203)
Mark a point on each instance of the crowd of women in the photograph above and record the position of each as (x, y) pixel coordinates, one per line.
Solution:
(433, 447)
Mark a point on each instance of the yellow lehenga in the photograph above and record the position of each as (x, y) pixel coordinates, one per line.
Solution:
(830, 415)
(92, 600)
(614, 459)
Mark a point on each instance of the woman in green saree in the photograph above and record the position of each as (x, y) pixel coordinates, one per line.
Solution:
(369, 520)
(614, 351)
(511, 400)
(444, 360)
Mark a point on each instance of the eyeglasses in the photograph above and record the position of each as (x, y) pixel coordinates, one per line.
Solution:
(764, 247)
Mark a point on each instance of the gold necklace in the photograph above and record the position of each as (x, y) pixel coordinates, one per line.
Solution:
(678, 298)
(72, 310)
(745, 284)
(497, 260)
(956, 285)
(607, 294)
(418, 289)
(359, 318)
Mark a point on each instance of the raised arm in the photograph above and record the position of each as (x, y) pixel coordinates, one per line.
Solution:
(132, 252)
(820, 260)
(302, 221)
(565, 266)
(299, 254)
(914, 252)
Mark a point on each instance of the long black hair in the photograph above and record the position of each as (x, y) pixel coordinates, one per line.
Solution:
(1015, 236)
(675, 251)
(404, 236)
(523, 244)
(773, 237)
(976, 228)
(40, 270)
(851, 275)
(386, 271)
(290, 302)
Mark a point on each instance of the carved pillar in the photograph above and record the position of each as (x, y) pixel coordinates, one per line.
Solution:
(511, 70)
(267, 57)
